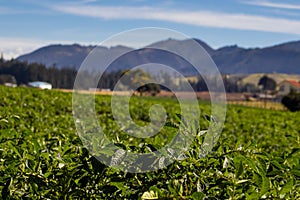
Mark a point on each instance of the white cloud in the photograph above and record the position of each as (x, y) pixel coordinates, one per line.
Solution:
(195, 18)
(273, 4)
(14, 47)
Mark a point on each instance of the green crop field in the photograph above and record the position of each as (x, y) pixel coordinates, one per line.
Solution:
(42, 157)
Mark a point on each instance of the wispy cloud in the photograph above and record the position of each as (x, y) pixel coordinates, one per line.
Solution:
(283, 12)
(196, 18)
(14, 47)
(271, 4)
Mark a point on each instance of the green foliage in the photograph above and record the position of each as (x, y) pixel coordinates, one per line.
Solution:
(6, 78)
(267, 83)
(138, 79)
(292, 101)
(22, 73)
(257, 156)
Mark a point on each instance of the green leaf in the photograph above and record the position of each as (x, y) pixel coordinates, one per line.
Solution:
(296, 172)
(275, 172)
(251, 163)
(119, 185)
(172, 125)
(294, 151)
(287, 187)
(198, 196)
(265, 185)
(14, 149)
(253, 196)
(276, 164)
(239, 170)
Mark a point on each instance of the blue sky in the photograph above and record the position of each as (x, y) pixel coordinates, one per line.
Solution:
(30, 24)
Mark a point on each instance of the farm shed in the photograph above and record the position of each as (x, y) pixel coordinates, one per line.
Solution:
(286, 86)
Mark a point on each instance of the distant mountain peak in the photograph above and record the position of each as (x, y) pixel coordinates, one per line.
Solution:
(282, 58)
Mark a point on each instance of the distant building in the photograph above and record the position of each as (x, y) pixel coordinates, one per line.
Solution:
(13, 85)
(40, 85)
(94, 89)
(286, 86)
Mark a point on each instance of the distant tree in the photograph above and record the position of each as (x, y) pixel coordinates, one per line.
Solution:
(24, 73)
(152, 88)
(292, 101)
(249, 87)
(167, 81)
(6, 78)
(200, 85)
(230, 86)
(1, 58)
(108, 80)
(139, 80)
(267, 83)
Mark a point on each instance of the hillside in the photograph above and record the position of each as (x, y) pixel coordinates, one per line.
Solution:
(254, 78)
(283, 58)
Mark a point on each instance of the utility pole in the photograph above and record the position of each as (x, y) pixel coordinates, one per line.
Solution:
(265, 99)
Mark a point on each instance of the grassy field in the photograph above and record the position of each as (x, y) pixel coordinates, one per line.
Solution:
(41, 155)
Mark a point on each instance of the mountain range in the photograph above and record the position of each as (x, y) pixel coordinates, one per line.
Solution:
(282, 58)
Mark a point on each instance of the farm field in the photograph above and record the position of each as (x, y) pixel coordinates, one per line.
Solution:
(41, 155)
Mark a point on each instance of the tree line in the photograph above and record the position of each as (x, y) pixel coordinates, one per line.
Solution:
(22, 73)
